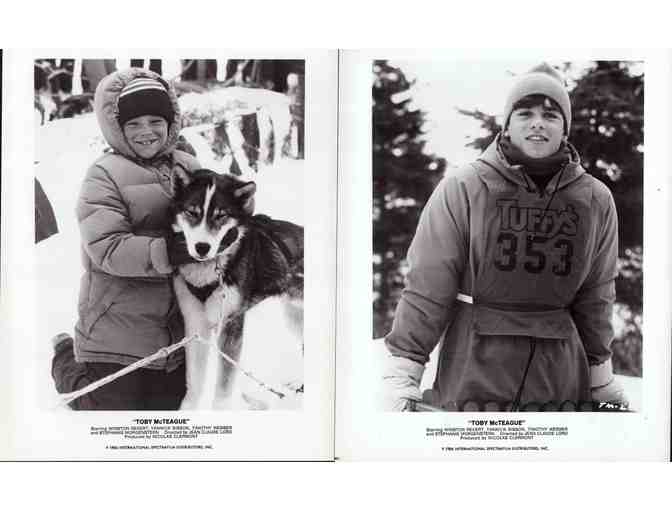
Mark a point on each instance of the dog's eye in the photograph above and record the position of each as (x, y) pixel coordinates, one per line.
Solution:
(191, 214)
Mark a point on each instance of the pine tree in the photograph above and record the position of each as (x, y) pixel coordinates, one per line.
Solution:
(608, 132)
(404, 176)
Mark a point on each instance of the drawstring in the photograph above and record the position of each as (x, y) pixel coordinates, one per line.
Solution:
(555, 189)
(557, 184)
(516, 401)
(527, 183)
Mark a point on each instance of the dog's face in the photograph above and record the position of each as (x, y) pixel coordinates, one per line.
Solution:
(209, 209)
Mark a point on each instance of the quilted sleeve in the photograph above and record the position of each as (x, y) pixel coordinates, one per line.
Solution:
(593, 304)
(106, 233)
(437, 257)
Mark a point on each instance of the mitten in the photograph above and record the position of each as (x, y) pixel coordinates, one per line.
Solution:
(604, 387)
(178, 254)
(401, 383)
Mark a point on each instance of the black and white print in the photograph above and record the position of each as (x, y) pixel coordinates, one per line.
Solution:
(430, 120)
(240, 117)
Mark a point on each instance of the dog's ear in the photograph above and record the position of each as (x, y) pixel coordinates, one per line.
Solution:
(179, 180)
(246, 196)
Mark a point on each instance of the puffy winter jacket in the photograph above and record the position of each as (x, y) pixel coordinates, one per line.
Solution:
(540, 266)
(126, 305)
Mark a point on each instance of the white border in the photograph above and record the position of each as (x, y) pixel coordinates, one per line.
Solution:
(36, 434)
(364, 433)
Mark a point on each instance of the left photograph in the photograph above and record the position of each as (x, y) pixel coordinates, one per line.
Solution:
(169, 233)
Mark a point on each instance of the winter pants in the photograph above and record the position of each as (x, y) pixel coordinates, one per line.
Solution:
(143, 389)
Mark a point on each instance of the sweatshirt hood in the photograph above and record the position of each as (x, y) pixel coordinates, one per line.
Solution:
(493, 157)
(105, 104)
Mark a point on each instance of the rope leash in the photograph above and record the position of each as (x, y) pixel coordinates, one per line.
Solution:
(215, 332)
(237, 365)
(220, 270)
(66, 398)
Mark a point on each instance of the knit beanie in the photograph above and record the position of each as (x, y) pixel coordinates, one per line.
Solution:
(144, 96)
(545, 80)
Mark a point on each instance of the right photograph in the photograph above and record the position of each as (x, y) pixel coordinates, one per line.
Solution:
(507, 235)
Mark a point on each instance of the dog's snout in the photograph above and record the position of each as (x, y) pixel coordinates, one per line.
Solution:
(202, 249)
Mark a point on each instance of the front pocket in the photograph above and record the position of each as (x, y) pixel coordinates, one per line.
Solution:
(105, 290)
(144, 304)
(94, 316)
(556, 324)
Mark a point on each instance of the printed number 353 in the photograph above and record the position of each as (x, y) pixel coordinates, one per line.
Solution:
(534, 254)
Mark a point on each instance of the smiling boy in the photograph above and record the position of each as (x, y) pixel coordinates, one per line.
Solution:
(536, 126)
(127, 309)
(145, 112)
(513, 266)
(146, 134)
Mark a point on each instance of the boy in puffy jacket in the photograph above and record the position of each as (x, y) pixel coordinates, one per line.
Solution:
(127, 308)
(512, 267)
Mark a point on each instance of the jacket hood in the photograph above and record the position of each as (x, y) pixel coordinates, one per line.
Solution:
(105, 104)
(493, 157)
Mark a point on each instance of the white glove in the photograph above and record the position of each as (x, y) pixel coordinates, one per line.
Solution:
(401, 383)
(604, 387)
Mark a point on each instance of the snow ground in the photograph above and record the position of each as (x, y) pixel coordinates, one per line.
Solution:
(377, 351)
(65, 149)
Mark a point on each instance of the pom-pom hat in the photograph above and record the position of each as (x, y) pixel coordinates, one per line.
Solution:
(545, 80)
(144, 96)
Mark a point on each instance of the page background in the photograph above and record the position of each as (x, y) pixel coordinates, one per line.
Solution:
(362, 432)
(37, 433)
(370, 485)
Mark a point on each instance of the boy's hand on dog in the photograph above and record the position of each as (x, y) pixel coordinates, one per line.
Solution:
(178, 254)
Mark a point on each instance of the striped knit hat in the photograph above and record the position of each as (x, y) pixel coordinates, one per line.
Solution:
(144, 96)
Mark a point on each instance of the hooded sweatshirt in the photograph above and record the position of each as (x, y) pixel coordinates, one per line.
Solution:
(540, 266)
(127, 310)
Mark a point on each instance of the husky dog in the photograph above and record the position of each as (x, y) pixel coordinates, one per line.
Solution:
(240, 261)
